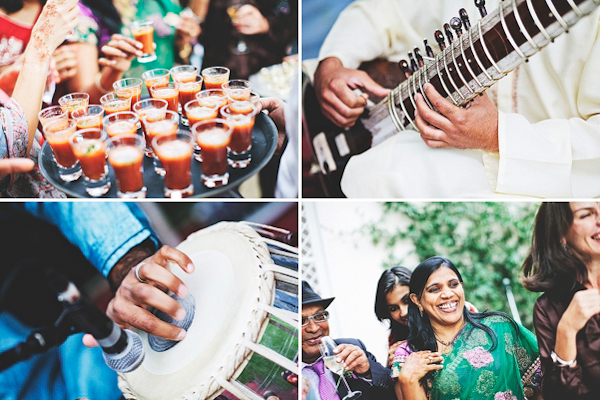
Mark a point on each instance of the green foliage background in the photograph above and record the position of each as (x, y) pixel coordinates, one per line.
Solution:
(486, 242)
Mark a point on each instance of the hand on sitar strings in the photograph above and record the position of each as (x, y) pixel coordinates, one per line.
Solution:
(334, 85)
(472, 127)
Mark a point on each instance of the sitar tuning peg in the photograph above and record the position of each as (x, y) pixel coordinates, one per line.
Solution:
(403, 64)
(413, 63)
(480, 4)
(465, 18)
(428, 49)
(419, 57)
(456, 24)
(448, 32)
(439, 38)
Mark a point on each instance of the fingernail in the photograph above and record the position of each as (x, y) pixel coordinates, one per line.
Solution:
(181, 335)
(338, 359)
(180, 314)
(139, 45)
(182, 291)
(113, 62)
(138, 53)
(191, 268)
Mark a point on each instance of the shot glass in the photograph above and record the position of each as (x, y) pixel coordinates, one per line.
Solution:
(57, 134)
(187, 93)
(213, 137)
(212, 95)
(175, 154)
(242, 107)
(88, 146)
(121, 123)
(153, 108)
(112, 103)
(90, 118)
(237, 90)
(143, 32)
(168, 92)
(126, 155)
(129, 88)
(239, 155)
(184, 73)
(161, 123)
(155, 76)
(214, 77)
(197, 111)
(73, 101)
(53, 113)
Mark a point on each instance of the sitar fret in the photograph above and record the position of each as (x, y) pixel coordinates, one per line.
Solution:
(485, 53)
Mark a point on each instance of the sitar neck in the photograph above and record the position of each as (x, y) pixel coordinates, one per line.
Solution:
(485, 53)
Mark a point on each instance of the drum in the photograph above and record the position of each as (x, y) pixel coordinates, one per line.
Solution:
(238, 340)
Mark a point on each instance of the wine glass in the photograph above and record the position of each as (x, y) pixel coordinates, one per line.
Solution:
(326, 347)
(234, 5)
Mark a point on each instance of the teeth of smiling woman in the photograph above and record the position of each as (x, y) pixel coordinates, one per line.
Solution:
(596, 237)
(447, 306)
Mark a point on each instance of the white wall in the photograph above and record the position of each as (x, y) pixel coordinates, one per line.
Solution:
(351, 267)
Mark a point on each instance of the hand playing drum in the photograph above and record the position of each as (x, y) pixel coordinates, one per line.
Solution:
(145, 285)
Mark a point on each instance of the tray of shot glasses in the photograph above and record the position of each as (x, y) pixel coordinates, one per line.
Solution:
(264, 143)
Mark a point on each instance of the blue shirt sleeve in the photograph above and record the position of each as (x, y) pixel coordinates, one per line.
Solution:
(103, 231)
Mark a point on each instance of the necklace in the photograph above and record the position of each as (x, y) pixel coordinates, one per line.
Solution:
(448, 345)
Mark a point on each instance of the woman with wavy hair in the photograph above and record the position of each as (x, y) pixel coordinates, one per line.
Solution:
(453, 353)
(564, 264)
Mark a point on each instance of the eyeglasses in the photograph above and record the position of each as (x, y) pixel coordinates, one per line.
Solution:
(318, 318)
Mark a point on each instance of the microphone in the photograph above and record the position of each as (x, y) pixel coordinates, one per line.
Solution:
(122, 350)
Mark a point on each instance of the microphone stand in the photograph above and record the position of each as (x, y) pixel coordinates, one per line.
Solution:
(38, 342)
(44, 339)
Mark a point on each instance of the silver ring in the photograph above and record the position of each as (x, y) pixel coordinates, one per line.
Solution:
(137, 273)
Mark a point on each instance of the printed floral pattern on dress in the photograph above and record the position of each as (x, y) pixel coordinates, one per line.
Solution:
(485, 383)
(505, 396)
(478, 357)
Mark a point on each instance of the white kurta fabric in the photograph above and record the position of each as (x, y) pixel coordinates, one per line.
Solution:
(549, 120)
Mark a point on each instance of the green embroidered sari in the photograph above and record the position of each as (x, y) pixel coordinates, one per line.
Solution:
(473, 371)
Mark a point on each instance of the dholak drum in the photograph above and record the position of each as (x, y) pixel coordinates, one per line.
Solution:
(238, 341)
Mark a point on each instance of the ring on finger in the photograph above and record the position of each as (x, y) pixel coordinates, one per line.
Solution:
(137, 273)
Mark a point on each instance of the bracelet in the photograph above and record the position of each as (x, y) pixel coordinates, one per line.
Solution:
(98, 83)
(560, 362)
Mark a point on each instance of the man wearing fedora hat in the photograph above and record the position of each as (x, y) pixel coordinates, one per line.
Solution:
(367, 375)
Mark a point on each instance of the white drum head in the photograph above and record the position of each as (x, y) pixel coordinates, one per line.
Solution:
(228, 286)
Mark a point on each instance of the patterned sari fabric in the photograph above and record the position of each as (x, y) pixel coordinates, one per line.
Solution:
(472, 370)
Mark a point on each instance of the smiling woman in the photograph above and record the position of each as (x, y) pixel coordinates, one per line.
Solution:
(453, 353)
(564, 263)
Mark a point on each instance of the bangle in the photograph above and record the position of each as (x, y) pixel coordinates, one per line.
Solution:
(98, 83)
(560, 362)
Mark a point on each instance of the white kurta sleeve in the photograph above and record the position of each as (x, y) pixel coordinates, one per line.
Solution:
(557, 157)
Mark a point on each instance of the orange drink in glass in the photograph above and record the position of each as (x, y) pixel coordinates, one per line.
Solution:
(143, 32)
(112, 103)
(159, 123)
(73, 101)
(155, 76)
(213, 137)
(184, 73)
(197, 111)
(126, 155)
(153, 107)
(241, 138)
(187, 93)
(57, 134)
(214, 77)
(121, 123)
(168, 92)
(217, 96)
(90, 118)
(175, 154)
(129, 88)
(50, 114)
(88, 146)
(237, 90)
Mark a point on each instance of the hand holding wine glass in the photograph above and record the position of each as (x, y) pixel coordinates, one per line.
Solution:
(330, 358)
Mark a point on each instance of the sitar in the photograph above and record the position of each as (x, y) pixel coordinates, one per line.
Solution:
(471, 59)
